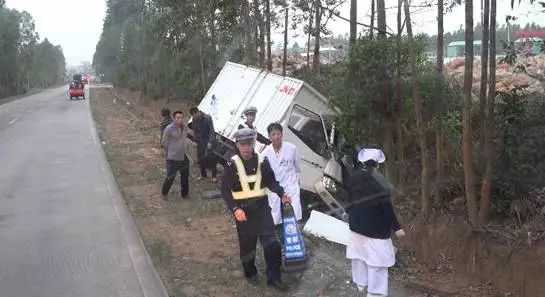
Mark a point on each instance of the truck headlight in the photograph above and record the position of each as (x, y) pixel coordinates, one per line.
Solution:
(329, 184)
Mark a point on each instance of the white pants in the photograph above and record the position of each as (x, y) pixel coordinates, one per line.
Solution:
(374, 278)
(275, 203)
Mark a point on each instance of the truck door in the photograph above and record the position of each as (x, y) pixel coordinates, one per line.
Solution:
(306, 131)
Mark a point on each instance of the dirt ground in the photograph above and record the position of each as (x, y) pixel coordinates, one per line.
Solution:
(193, 243)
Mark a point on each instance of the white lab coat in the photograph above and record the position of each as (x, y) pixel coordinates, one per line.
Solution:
(285, 165)
(374, 252)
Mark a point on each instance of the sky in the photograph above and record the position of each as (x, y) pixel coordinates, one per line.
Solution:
(76, 25)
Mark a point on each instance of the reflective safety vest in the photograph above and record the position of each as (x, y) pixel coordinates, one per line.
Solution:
(245, 180)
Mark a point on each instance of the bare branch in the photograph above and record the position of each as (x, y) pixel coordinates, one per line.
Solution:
(334, 13)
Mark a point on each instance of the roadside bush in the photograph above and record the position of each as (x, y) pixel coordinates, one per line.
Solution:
(520, 141)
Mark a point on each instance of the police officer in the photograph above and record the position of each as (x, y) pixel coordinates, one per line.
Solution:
(250, 113)
(246, 177)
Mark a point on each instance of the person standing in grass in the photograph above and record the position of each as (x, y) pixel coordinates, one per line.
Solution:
(174, 142)
(205, 136)
(244, 187)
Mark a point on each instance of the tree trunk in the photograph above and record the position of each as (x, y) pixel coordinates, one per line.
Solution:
(260, 43)
(387, 141)
(268, 28)
(425, 199)
(310, 19)
(142, 70)
(286, 23)
(484, 72)
(489, 130)
(439, 134)
(213, 42)
(440, 40)
(353, 21)
(467, 144)
(381, 18)
(386, 113)
(372, 29)
(317, 30)
(201, 60)
(246, 29)
(399, 106)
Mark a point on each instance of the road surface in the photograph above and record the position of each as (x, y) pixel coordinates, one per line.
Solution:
(64, 228)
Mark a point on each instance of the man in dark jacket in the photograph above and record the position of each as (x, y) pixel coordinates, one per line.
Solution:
(244, 188)
(372, 221)
(250, 113)
(205, 136)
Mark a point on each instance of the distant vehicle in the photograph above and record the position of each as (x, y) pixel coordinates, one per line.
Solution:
(76, 90)
(77, 77)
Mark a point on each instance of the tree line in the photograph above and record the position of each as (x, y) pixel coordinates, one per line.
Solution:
(176, 48)
(25, 62)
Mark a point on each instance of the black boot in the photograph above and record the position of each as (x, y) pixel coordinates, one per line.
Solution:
(253, 280)
(279, 285)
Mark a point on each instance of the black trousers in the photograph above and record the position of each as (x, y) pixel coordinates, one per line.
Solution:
(259, 225)
(207, 160)
(173, 167)
(271, 250)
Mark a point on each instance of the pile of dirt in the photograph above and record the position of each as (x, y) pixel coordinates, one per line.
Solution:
(297, 61)
(462, 257)
(527, 72)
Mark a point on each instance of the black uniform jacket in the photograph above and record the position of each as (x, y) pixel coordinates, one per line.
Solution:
(258, 212)
(371, 212)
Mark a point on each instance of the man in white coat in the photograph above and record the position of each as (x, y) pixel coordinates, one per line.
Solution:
(284, 159)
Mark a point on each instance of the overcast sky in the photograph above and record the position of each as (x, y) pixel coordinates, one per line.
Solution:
(76, 24)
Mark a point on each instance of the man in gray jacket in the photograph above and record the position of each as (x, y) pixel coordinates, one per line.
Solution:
(174, 143)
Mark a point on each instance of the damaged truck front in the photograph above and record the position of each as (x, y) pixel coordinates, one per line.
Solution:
(307, 119)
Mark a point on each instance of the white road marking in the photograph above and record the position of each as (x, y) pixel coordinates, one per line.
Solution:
(12, 122)
(30, 110)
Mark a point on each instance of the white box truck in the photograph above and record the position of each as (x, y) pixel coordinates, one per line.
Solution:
(301, 110)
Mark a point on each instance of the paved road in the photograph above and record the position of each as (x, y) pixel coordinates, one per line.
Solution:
(64, 228)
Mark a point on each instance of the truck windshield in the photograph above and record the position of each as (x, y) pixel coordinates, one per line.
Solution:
(308, 126)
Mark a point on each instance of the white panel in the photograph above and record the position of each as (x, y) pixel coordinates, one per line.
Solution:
(223, 99)
(324, 226)
(237, 87)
